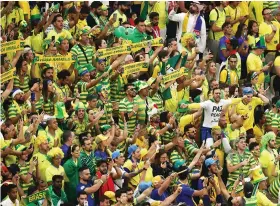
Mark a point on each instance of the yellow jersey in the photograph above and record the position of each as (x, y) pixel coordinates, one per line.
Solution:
(265, 29)
(233, 13)
(219, 17)
(254, 64)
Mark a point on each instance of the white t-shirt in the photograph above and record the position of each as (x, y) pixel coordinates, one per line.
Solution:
(118, 183)
(212, 112)
(8, 202)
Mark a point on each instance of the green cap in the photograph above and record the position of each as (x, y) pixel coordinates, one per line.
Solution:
(183, 110)
(104, 7)
(178, 164)
(84, 30)
(83, 71)
(105, 128)
(142, 85)
(60, 111)
(278, 104)
(20, 147)
(80, 106)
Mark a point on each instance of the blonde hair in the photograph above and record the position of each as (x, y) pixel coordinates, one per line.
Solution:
(216, 128)
(56, 151)
(186, 37)
(40, 140)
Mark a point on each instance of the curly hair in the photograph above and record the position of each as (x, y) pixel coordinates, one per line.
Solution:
(56, 151)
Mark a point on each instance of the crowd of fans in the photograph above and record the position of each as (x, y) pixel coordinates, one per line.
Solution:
(198, 125)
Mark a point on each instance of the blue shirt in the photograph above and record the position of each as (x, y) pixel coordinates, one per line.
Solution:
(100, 155)
(186, 195)
(222, 46)
(90, 197)
(156, 196)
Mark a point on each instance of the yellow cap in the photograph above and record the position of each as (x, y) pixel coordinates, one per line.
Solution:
(156, 179)
(110, 195)
(100, 138)
(143, 152)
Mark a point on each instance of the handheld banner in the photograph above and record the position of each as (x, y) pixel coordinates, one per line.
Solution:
(45, 59)
(154, 42)
(36, 197)
(12, 46)
(7, 75)
(174, 75)
(123, 49)
(135, 67)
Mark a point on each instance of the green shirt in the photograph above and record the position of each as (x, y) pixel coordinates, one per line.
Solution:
(275, 187)
(143, 107)
(127, 107)
(15, 109)
(117, 89)
(55, 199)
(105, 82)
(80, 55)
(48, 107)
(190, 147)
(108, 109)
(23, 171)
(71, 169)
(23, 86)
(234, 159)
(88, 161)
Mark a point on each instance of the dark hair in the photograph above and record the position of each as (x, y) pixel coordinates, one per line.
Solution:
(55, 177)
(45, 70)
(127, 85)
(55, 17)
(100, 162)
(85, 9)
(157, 156)
(82, 140)
(2, 58)
(250, 27)
(225, 25)
(232, 56)
(274, 100)
(153, 15)
(81, 193)
(10, 187)
(72, 10)
(138, 20)
(119, 192)
(66, 135)
(184, 175)
(45, 91)
(81, 169)
(238, 33)
(19, 65)
(252, 145)
(63, 74)
(216, 89)
(232, 90)
(258, 114)
(69, 151)
(96, 4)
(162, 54)
(187, 127)
(103, 198)
(266, 8)
(98, 43)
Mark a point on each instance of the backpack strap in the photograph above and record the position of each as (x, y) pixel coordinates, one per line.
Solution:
(82, 49)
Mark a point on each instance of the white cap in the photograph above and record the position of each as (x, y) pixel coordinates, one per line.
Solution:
(199, 5)
(18, 91)
(26, 49)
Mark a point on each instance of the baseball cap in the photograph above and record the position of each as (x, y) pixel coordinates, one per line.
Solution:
(143, 186)
(116, 154)
(18, 91)
(131, 149)
(104, 7)
(111, 195)
(247, 90)
(105, 128)
(178, 164)
(143, 152)
(156, 179)
(100, 138)
(248, 189)
(210, 161)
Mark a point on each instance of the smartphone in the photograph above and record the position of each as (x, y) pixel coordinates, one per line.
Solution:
(14, 20)
(115, 17)
(53, 38)
(85, 203)
(120, 20)
(32, 96)
(109, 159)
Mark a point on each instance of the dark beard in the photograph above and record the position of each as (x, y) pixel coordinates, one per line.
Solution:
(149, 33)
(123, 10)
(19, 101)
(192, 11)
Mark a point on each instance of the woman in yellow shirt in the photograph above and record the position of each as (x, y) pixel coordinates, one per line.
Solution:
(253, 33)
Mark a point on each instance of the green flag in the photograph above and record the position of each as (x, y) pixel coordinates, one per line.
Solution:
(144, 9)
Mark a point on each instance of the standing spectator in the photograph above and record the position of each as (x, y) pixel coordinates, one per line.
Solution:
(217, 19)
(57, 194)
(255, 11)
(224, 53)
(269, 29)
(67, 138)
(95, 12)
(154, 18)
(87, 185)
(12, 196)
(233, 15)
(120, 13)
(71, 167)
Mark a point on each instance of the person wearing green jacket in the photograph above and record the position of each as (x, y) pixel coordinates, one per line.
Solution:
(71, 167)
